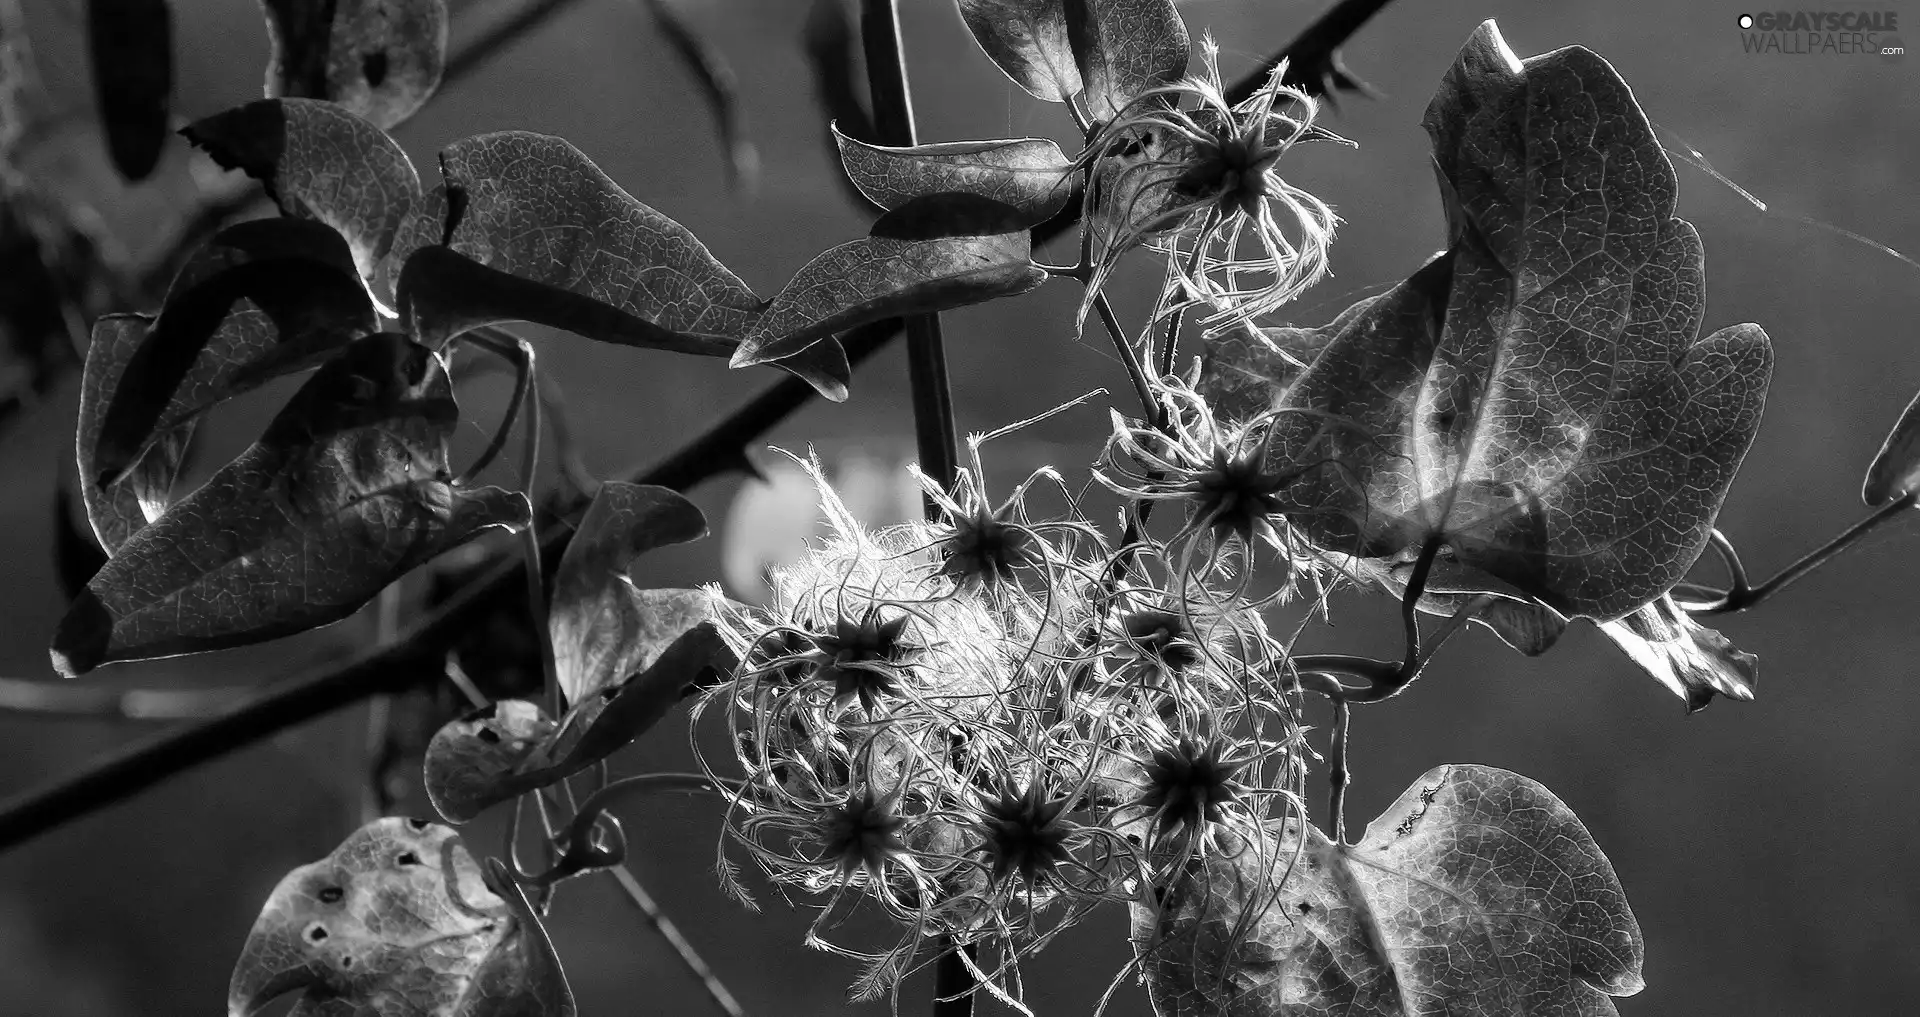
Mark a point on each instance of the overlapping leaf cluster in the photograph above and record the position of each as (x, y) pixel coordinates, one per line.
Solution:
(995, 722)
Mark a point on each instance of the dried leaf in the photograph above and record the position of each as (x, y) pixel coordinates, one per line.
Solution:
(598, 619)
(347, 490)
(381, 59)
(1031, 175)
(319, 161)
(884, 277)
(1694, 662)
(1537, 397)
(475, 761)
(263, 299)
(399, 921)
(118, 510)
(1478, 892)
(543, 235)
(131, 45)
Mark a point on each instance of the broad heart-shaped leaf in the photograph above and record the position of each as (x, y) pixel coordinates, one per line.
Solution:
(1108, 50)
(319, 161)
(130, 44)
(399, 921)
(119, 509)
(1477, 893)
(1031, 175)
(884, 276)
(381, 59)
(597, 618)
(262, 299)
(1125, 47)
(1694, 662)
(476, 760)
(1028, 40)
(543, 235)
(1895, 471)
(346, 490)
(1537, 398)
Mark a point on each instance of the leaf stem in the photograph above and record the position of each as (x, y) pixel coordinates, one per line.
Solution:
(1149, 406)
(1338, 776)
(1742, 597)
(934, 432)
(507, 349)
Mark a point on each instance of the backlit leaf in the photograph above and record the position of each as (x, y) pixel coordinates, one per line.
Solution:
(381, 59)
(1478, 892)
(669, 646)
(1028, 40)
(475, 761)
(1537, 398)
(884, 277)
(665, 641)
(263, 299)
(1125, 47)
(399, 921)
(347, 490)
(597, 617)
(1029, 174)
(319, 161)
(1895, 471)
(543, 235)
(119, 509)
(1694, 662)
(131, 46)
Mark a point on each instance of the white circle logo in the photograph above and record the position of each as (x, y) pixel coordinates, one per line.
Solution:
(1746, 21)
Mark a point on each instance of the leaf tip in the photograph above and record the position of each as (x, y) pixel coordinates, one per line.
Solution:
(80, 643)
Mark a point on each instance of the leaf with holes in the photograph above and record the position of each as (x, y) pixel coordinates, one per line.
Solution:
(598, 619)
(884, 276)
(381, 59)
(263, 299)
(1031, 175)
(399, 921)
(1124, 48)
(130, 43)
(347, 490)
(319, 161)
(1478, 892)
(1028, 40)
(1538, 398)
(119, 509)
(476, 761)
(526, 228)
(1694, 662)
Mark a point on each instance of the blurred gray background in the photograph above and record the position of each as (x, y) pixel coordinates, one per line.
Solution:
(1768, 848)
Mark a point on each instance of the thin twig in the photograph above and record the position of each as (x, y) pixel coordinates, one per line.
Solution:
(498, 38)
(63, 700)
(1738, 599)
(671, 933)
